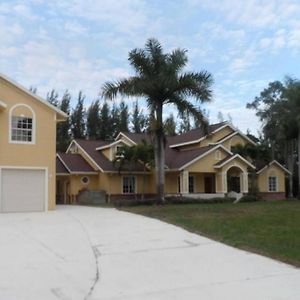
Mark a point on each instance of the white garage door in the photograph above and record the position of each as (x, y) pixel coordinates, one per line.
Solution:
(22, 190)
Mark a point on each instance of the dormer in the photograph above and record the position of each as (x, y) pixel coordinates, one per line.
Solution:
(113, 150)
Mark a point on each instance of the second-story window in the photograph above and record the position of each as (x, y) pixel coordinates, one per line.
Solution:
(21, 129)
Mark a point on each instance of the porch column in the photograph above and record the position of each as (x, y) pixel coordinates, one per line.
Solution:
(184, 182)
(224, 181)
(244, 181)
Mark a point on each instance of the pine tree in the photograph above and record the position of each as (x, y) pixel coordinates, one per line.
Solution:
(105, 132)
(52, 98)
(139, 121)
(185, 124)
(78, 118)
(63, 129)
(93, 121)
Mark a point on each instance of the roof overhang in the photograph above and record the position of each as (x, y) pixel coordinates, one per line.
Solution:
(234, 134)
(276, 163)
(235, 157)
(124, 135)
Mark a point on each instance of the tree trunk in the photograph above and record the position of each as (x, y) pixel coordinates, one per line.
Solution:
(290, 165)
(159, 155)
(298, 162)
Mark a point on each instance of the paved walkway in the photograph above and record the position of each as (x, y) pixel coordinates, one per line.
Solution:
(102, 253)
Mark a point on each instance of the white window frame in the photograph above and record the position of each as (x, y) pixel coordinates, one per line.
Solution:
(119, 155)
(85, 183)
(33, 131)
(135, 184)
(269, 184)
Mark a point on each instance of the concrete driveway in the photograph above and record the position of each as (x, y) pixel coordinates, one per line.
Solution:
(102, 253)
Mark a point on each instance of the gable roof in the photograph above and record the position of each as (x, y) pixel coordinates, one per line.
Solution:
(60, 168)
(136, 138)
(59, 112)
(226, 160)
(102, 162)
(264, 166)
(232, 134)
(74, 163)
(194, 135)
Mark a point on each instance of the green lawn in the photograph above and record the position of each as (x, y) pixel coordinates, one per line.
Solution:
(268, 228)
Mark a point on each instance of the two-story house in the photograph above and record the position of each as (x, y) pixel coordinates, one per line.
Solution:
(27, 149)
(198, 164)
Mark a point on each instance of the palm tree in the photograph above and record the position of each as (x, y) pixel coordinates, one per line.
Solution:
(160, 79)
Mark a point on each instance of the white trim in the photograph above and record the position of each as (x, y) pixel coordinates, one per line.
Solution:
(204, 154)
(33, 133)
(233, 157)
(61, 160)
(135, 184)
(236, 131)
(278, 164)
(112, 144)
(74, 141)
(198, 140)
(124, 135)
(27, 168)
(40, 99)
(2, 104)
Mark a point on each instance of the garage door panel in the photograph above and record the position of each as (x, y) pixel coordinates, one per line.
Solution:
(22, 190)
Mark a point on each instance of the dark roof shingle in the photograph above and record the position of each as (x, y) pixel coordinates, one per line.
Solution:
(75, 163)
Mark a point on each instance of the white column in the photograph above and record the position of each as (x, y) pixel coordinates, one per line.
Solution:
(224, 181)
(184, 182)
(245, 182)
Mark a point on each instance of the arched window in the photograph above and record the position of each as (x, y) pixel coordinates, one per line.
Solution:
(21, 124)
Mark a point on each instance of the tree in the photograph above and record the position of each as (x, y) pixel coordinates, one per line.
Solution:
(63, 128)
(93, 121)
(160, 79)
(138, 120)
(52, 97)
(170, 126)
(124, 117)
(185, 124)
(106, 126)
(78, 118)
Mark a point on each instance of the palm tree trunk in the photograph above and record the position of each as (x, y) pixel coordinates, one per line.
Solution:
(298, 162)
(290, 165)
(159, 155)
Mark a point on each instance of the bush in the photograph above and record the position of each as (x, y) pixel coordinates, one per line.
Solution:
(249, 198)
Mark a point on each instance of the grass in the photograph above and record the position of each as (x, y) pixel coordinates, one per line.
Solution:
(268, 228)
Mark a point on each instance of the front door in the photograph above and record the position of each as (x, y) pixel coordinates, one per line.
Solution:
(208, 184)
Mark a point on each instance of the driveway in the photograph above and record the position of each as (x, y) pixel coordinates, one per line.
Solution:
(102, 253)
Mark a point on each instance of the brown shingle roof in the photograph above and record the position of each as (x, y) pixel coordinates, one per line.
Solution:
(60, 168)
(175, 159)
(75, 163)
(102, 161)
(194, 134)
(138, 137)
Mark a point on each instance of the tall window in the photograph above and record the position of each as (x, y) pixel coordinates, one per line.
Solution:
(21, 129)
(272, 184)
(191, 184)
(128, 185)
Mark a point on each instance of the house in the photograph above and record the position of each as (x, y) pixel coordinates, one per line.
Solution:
(198, 164)
(27, 149)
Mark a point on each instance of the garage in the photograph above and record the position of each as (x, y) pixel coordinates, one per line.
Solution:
(23, 190)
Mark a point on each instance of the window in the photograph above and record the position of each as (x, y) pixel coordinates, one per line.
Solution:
(85, 180)
(272, 184)
(128, 185)
(21, 129)
(119, 151)
(191, 184)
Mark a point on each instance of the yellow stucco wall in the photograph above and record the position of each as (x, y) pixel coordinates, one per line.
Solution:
(216, 136)
(40, 154)
(171, 182)
(76, 185)
(273, 170)
(235, 140)
(206, 164)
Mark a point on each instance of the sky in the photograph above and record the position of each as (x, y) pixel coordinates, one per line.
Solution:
(80, 44)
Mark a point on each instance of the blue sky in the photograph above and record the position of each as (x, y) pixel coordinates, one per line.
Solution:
(79, 44)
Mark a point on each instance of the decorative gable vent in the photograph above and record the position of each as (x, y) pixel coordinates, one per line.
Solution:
(74, 149)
